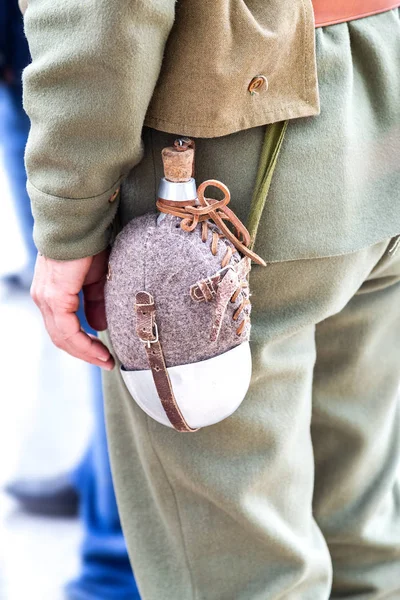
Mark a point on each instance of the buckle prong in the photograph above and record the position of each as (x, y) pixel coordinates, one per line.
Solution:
(148, 342)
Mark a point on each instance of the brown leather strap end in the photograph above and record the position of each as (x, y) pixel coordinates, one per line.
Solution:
(226, 288)
(147, 330)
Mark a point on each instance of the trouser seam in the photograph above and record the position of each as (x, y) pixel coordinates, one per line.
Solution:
(174, 495)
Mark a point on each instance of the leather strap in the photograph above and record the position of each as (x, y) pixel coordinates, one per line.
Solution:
(331, 12)
(146, 328)
(205, 290)
(220, 288)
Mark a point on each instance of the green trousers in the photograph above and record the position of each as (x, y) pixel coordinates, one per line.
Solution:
(296, 496)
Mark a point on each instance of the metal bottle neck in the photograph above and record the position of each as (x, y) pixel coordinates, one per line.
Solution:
(178, 192)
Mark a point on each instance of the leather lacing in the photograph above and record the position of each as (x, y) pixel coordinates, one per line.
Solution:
(218, 212)
(245, 302)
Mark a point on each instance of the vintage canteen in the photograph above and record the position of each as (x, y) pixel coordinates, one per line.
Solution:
(177, 301)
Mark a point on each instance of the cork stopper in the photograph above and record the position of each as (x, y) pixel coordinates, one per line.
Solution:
(178, 160)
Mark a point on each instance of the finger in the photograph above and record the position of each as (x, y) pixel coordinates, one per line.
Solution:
(66, 333)
(82, 339)
(94, 304)
(93, 291)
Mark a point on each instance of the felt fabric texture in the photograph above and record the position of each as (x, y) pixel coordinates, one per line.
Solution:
(160, 258)
(260, 506)
(95, 67)
(334, 188)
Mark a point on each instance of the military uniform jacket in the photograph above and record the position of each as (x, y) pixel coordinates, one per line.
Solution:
(101, 70)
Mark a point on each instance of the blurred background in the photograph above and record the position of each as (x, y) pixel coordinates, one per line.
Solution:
(60, 534)
(45, 425)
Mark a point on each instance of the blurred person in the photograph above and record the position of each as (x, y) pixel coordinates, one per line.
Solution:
(105, 570)
(14, 127)
(296, 495)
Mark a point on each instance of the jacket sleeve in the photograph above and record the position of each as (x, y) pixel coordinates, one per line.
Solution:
(94, 67)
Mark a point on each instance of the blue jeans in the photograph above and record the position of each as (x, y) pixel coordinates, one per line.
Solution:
(105, 571)
(14, 129)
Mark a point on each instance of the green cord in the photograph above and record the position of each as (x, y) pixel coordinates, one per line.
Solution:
(269, 155)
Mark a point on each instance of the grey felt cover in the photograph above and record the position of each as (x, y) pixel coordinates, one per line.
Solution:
(157, 256)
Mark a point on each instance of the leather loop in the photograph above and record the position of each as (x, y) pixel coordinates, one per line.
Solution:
(332, 12)
(145, 317)
(207, 289)
(242, 268)
(147, 330)
(197, 290)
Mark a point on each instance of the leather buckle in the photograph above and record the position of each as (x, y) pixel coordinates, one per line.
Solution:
(155, 333)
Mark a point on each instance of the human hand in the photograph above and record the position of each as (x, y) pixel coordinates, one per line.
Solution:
(55, 288)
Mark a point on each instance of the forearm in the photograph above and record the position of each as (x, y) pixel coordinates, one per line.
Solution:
(94, 68)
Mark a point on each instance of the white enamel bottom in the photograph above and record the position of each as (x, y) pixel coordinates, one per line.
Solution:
(206, 392)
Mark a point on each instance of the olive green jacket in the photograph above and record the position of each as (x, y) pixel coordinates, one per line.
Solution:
(101, 70)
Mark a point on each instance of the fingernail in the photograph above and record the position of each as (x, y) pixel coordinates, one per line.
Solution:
(103, 358)
(107, 367)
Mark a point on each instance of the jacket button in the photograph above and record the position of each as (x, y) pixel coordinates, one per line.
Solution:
(115, 194)
(258, 84)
